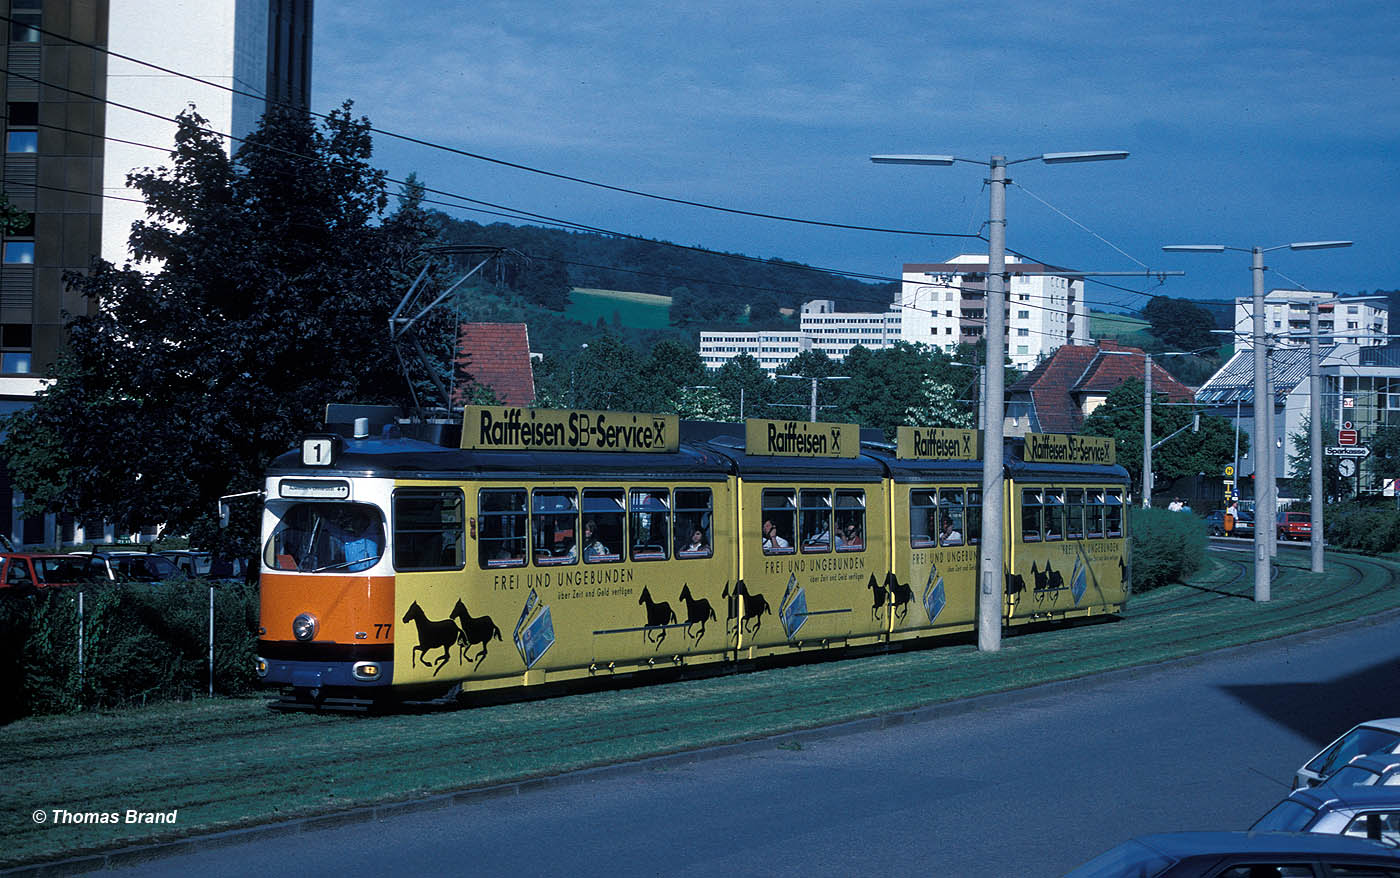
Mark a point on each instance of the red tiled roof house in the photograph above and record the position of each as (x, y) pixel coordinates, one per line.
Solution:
(494, 355)
(1066, 387)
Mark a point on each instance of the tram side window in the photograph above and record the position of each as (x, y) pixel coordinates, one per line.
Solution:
(923, 519)
(974, 517)
(428, 529)
(1054, 514)
(1094, 515)
(1074, 513)
(694, 509)
(602, 526)
(650, 520)
(554, 525)
(1030, 516)
(950, 517)
(1113, 513)
(501, 516)
(816, 520)
(850, 521)
(779, 521)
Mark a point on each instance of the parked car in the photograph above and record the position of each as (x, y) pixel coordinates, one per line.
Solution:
(130, 566)
(1360, 812)
(1373, 736)
(1294, 526)
(204, 565)
(37, 570)
(1379, 769)
(1242, 855)
(1244, 524)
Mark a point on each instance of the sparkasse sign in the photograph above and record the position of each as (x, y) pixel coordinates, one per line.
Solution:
(511, 428)
(1064, 448)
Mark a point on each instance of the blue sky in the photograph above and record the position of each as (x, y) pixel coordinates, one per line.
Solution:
(1249, 123)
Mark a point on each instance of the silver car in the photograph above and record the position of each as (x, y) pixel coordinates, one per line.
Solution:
(1376, 770)
(1361, 812)
(1374, 736)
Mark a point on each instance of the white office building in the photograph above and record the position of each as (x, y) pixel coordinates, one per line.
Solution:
(1359, 320)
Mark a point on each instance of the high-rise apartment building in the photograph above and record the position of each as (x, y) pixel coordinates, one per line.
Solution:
(84, 107)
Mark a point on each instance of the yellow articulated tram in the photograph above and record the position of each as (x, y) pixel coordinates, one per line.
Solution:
(556, 547)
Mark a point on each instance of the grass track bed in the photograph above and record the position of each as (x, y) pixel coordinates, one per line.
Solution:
(228, 763)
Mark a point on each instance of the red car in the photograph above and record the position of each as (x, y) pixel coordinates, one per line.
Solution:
(34, 570)
(1294, 526)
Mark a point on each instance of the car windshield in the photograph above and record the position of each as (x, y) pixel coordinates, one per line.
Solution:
(1286, 816)
(1357, 742)
(326, 537)
(61, 569)
(1129, 858)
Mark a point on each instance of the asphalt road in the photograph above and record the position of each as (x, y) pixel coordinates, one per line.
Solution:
(1026, 784)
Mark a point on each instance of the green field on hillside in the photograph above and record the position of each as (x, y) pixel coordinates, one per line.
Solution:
(638, 310)
(1118, 327)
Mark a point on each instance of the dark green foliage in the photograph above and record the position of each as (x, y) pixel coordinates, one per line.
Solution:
(1167, 546)
(266, 292)
(1121, 416)
(1182, 325)
(140, 642)
(1365, 528)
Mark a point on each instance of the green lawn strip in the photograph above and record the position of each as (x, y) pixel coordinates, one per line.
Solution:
(227, 763)
(639, 310)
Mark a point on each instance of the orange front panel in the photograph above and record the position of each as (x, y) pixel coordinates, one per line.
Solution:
(348, 609)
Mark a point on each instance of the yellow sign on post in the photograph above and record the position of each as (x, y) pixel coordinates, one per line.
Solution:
(1063, 448)
(511, 428)
(801, 438)
(937, 443)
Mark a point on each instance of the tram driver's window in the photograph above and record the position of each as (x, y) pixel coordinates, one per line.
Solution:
(815, 515)
(554, 526)
(850, 521)
(603, 538)
(650, 521)
(779, 521)
(501, 521)
(1030, 515)
(923, 518)
(950, 517)
(1054, 515)
(428, 529)
(1113, 514)
(694, 511)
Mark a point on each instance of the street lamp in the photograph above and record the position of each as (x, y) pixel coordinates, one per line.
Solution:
(989, 594)
(1265, 490)
(814, 380)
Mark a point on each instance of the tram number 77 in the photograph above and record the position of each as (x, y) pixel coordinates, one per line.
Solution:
(382, 630)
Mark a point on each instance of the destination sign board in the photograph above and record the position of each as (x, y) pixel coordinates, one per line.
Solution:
(801, 438)
(1064, 448)
(937, 443)
(511, 428)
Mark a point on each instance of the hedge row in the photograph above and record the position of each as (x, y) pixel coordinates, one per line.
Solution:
(1167, 546)
(139, 642)
(1373, 529)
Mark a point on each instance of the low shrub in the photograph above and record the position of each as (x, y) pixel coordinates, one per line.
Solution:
(131, 643)
(1365, 528)
(1166, 546)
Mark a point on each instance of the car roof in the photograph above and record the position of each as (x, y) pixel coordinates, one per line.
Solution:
(33, 555)
(1190, 844)
(1336, 798)
(1377, 762)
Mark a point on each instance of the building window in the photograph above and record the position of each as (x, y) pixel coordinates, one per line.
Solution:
(22, 141)
(19, 252)
(24, 26)
(1022, 349)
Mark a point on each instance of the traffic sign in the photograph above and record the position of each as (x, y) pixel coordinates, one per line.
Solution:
(1361, 451)
(1229, 471)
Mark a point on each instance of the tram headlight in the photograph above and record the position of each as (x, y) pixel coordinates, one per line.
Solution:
(260, 664)
(304, 626)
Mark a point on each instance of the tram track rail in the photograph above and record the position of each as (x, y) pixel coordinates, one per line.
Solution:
(225, 763)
